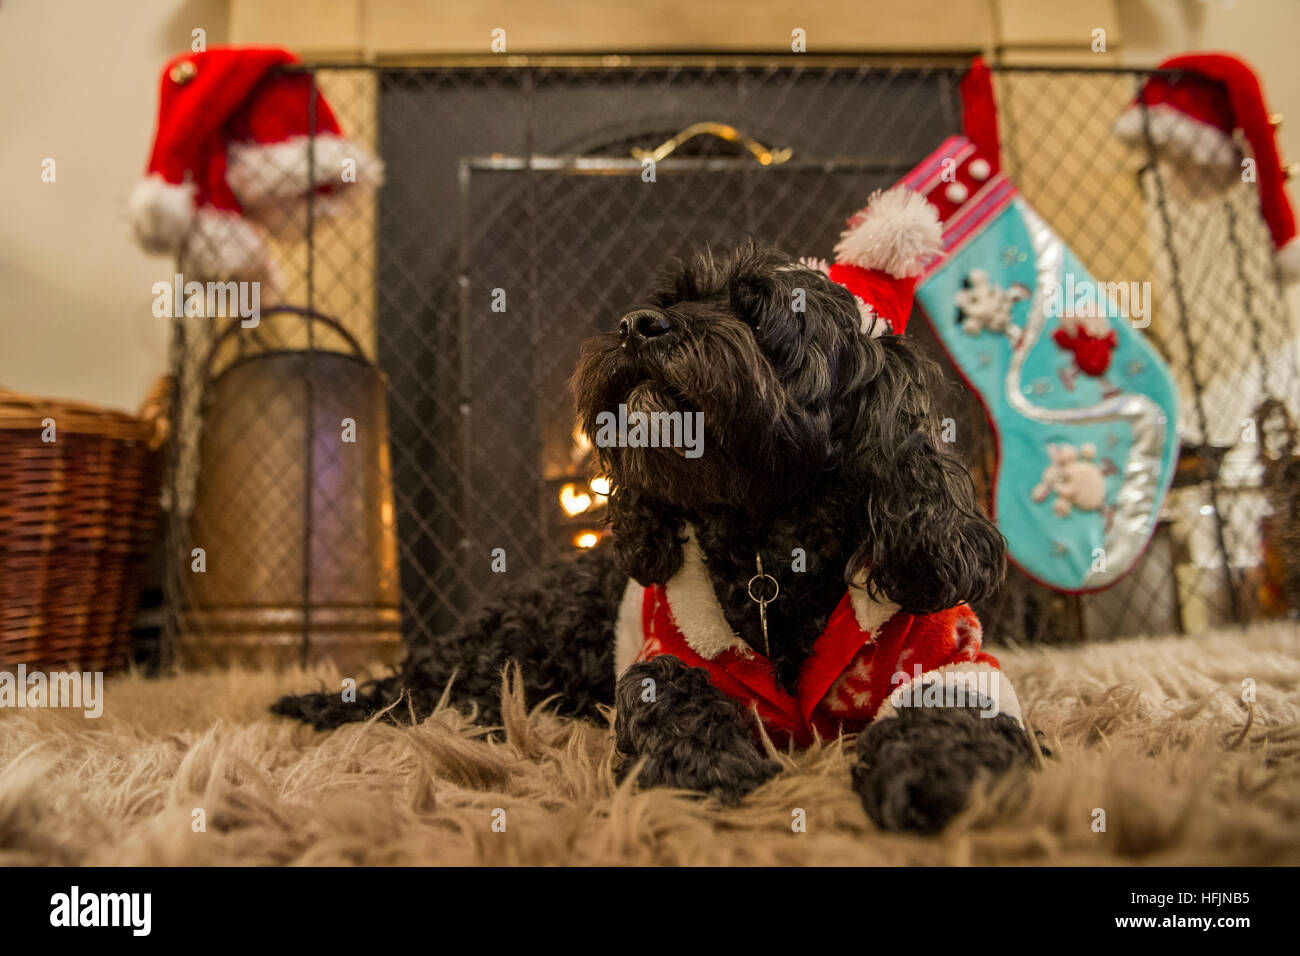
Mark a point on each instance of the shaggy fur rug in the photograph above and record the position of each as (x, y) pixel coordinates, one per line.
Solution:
(1153, 732)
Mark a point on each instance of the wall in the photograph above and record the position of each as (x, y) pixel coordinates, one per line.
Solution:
(78, 84)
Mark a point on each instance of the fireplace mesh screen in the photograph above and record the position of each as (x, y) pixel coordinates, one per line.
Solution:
(516, 219)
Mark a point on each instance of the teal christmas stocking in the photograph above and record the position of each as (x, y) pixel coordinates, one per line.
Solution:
(1082, 408)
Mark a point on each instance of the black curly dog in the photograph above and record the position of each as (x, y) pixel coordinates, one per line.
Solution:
(819, 438)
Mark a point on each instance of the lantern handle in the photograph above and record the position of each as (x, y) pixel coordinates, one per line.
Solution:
(309, 314)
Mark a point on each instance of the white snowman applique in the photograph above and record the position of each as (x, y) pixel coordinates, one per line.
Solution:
(984, 305)
(1078, 480)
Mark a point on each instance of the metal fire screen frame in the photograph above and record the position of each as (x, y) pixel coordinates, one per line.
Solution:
(411, 283)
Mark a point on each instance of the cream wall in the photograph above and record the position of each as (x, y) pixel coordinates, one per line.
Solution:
(78, 84)
(78, 79)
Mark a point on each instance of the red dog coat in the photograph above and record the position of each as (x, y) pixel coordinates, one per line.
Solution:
(869, 655)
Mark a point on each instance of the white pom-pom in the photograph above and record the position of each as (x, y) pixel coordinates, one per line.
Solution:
(898, 233)
(161, 213)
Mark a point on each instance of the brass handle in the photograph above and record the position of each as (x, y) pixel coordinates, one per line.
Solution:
(766, 156)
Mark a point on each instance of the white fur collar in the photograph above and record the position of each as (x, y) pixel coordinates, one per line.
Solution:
(695, 607)
(870, 613)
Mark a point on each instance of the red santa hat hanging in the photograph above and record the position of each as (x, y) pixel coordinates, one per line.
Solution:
(238, 141)
(1191, 115)
(882, 252)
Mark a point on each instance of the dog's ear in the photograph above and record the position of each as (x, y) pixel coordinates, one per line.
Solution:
(925, 544)
(762, 281)
(648, 536)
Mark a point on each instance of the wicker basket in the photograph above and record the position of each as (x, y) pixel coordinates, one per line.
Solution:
(76, 516)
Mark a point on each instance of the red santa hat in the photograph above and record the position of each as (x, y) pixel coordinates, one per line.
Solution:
(232, 145)
(881, 254)
(1191, 115)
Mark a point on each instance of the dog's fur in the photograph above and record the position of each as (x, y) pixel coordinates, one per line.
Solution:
(818, 437)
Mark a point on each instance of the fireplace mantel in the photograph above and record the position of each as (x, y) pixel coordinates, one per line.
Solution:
(388, 30)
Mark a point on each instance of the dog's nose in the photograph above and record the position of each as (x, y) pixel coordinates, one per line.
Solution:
(643, 324)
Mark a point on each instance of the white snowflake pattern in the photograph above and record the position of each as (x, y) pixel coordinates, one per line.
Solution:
(851, 691)
(970, 637)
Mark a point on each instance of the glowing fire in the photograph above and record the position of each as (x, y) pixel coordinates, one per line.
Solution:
(585, 539)
(573, 501)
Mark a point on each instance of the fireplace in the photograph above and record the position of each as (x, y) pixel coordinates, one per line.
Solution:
(519, 219)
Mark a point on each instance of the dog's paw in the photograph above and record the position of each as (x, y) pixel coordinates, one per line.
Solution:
(689, 735)
(915, 771)
(324, 710)
(728, 770)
